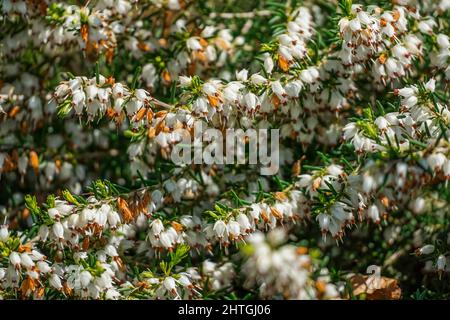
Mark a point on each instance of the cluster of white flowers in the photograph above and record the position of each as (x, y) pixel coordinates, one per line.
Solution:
(441, 263)
(92, 98)
(97, 97)
(284, 271)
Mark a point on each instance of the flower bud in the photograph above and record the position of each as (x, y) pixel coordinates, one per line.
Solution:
(426, 249)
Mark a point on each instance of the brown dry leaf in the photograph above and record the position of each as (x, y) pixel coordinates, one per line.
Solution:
(160, 126)
(161, 114)
(34, 161)
(110, 80)
(162, 42)
(277, 214)
(28, 286)
(124, 210)
(275, 101)
(382, 58)
(264, 216)
(296, 168)
(166, 76)
(374, 289)
(85, 244)
(222, 44)
(40, 292)
(213, 100)
(109, 54)
(42, 7)
(203, 42)
(110, 113)
(58, 164)
(200, 56)
(281, 196)
(14, 111)
(316, 183)
(66, 289)
(396, 15)
(119, 263)
(151, 133)
(144, 46)
(25, 214)
(140, 114)
(84, 32)
(301, 250)
(192, 67)
(8, 164)
(283, 63)
(385, 201)
(177, 226)
(27, 247)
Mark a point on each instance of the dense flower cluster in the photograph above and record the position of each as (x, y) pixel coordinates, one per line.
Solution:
(92, 97)
(285, 270)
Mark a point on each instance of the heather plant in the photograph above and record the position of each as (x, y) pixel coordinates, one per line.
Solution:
(316, 132)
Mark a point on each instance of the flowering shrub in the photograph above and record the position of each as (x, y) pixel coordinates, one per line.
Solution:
(93, 95)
